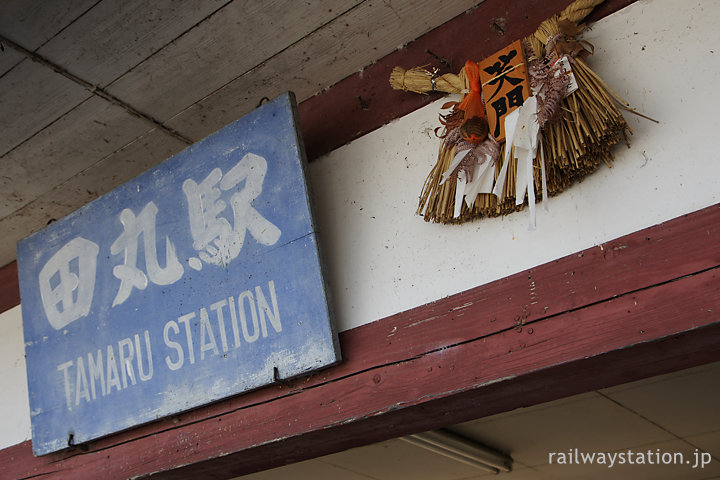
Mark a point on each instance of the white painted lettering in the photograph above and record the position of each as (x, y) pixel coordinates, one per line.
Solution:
(63, 367)
(254, 314)
(264, 309)
(207, 338)
(106, 371)
(128, 273)
(113, 375)
(126, 361)
(234, 321)
(173, 365)
(96, 372)
(144, 376)
(82, 389)
(74, 291)
(185, 320)
(218, 242)
(247, 295)
(217, 308)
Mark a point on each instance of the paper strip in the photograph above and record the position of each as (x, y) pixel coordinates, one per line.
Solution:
(456, 161)
(510, 122)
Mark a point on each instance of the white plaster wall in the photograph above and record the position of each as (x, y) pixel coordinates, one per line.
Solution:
(383, 259)
(15, 420)
(662, 56)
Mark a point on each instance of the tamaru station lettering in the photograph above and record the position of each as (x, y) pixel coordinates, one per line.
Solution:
(198, 280)
(227, 324)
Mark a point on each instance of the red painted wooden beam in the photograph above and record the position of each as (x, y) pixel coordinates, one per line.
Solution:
(641, 305)
(363, 102)
(9, 287)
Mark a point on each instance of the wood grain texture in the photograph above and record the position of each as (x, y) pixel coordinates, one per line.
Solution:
(340, 48)
(9, 59)
(89, 183)
(233, 41)
(114, 37)
(481, 352)
(33, 97)
(73, 143)
(32, 24)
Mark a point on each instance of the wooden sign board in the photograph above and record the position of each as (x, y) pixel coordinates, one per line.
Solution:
(198, 280)
(505, 85)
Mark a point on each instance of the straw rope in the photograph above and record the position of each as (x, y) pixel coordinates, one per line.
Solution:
(420, 80)
(575, 144)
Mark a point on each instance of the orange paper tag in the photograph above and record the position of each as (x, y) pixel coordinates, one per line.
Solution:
(505, 85)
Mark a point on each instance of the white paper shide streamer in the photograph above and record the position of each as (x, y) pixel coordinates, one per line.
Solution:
(522, 137)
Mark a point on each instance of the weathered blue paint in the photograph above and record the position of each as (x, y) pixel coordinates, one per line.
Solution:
(123, 327)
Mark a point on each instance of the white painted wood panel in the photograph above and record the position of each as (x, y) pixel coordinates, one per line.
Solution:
(339, 49)
(116, 169)
(32, 97)
(114, 37)
(75, 142)
(228, 44)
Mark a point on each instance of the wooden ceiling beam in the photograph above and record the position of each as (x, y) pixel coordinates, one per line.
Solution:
(9, 287)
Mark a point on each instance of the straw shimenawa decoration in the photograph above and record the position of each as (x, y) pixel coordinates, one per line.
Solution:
(576, 132)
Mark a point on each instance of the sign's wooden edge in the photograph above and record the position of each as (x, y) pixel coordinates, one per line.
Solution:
(302, 153)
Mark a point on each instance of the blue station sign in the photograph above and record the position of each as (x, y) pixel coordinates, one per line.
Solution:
(198, 280)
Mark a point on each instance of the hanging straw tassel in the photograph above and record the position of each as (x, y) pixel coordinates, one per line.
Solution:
(591, 123)
(575, 141)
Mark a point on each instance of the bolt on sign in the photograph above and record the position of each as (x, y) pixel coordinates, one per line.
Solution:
(505, 85)
(198, 280)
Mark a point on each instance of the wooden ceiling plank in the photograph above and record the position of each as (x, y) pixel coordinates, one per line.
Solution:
(73, 143)
(32, 97)
(150, 149)
(339, 49)
(31, 24)
(9, 59)
(114, 37)
(229, 43)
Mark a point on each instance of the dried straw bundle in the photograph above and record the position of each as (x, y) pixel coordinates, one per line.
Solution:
(591, 123)
(420, 80)
(575, 141)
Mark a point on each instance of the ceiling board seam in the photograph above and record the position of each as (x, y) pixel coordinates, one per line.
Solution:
(2, 49)
(177, 37)
(96, 90)
(89, 167)
(54, 36)
(60, 117)
(655, 424)
(259, 65)
(68, 24)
